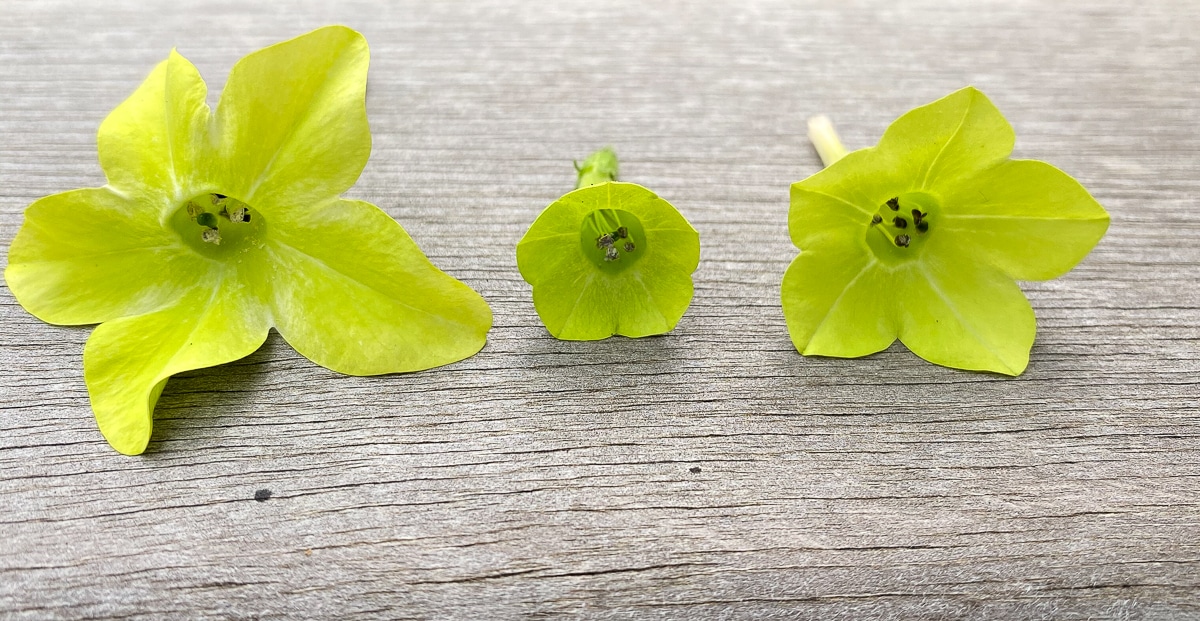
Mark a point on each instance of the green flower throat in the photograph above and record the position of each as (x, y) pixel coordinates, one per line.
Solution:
(902, 224)
(613, 239)
(217, 225)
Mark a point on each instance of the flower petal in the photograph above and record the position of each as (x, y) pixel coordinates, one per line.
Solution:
(1027, 218)
(152, 145)
(959, 313)
(354, 294)
(838, 302)
(85, 256)
(127, 361)
(292, 122)
(952, 137)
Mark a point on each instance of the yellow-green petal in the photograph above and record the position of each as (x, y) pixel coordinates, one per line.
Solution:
(1027, 218)
(836, 301)
(353, 293)
(292, 121)
(90, 255)
(952, 137)
(153, 144)
(128, 361)
(964, 314)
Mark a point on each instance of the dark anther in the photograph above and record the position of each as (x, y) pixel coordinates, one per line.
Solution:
(628, 246)
(894, 203)
(917, 215)
(922, 227)
(902, 241)
(876, 219)
(246, 216)
(900, 222)
(219, 195)
(604, 241)
(621, 233)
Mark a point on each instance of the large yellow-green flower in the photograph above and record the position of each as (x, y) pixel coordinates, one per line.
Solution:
(921, 236)
(216, 226)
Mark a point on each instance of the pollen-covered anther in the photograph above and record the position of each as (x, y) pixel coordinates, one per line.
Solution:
(604, 241)
(611, 254)
(876, 219)
(629, 246)
(211, 236)
(902, 241)
(899, 222)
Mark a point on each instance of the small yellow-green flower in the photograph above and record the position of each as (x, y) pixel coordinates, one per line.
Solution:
(216, 226)
(609, 258)
(921, 236)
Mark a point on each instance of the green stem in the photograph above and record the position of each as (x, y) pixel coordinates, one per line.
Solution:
(599, 167)
(825, 139)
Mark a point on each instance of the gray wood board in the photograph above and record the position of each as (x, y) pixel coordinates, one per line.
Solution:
(709, 473)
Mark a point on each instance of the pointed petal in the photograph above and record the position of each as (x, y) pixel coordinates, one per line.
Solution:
(952, 137)
(836, 204)
(838, 302)
(152, 145)
(292, 120)
(353, 293)
(85, 256)
(126, 362)
(962, 314)
(1027, 218)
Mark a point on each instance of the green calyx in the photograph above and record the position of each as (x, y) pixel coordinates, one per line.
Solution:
(609, 258)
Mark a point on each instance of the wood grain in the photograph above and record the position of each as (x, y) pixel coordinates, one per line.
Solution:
(712, 473)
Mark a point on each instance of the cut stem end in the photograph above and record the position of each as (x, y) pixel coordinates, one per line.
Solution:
(829, 146)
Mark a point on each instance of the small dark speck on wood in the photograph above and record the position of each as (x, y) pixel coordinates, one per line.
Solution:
(262, 495)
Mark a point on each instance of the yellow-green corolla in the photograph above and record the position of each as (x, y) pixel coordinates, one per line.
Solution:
(216, 226)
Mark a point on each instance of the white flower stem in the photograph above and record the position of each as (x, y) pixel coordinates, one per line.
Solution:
(825, 139)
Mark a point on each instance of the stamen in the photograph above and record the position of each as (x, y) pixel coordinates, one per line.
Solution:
(894, 203)
(628, 246)
(621, 233)
(611, 254)
(876, 219)
(902, 241)
(900, 223)
(241, 214)
(604, 241)
(922, 227)
(917, 215)
(194, 210)
(212, 236)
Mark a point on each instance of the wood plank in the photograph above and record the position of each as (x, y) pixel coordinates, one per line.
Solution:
(709, 473)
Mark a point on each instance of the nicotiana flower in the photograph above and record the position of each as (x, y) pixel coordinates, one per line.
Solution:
(216, 226)
(609, 258)
(921, 236)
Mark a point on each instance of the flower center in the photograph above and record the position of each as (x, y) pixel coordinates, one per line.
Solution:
(902, 224)
(612, 238)
(217, 225)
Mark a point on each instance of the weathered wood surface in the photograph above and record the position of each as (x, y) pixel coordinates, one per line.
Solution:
(710, 473)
